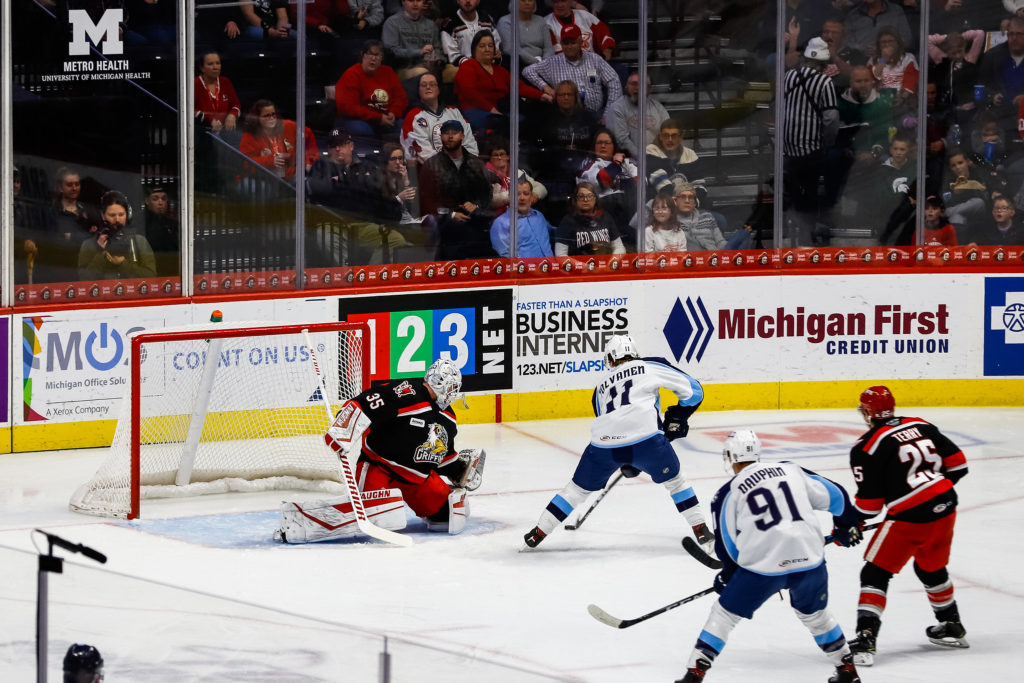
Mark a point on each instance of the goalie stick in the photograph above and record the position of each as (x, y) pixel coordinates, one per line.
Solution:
(348, 472)
(615, 622)
(579, 522)
(697, 553)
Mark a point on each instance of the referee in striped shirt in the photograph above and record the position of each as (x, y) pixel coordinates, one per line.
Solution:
(810, 124)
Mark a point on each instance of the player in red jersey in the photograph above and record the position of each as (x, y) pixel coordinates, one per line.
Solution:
(908, 466)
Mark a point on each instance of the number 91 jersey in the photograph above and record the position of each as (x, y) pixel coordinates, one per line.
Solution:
(765, 517)
(909, 466)
(627, 404)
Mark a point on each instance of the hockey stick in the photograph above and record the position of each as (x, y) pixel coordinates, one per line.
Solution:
(615, 622)
(347, 472)
(697, 553)
(579, 522)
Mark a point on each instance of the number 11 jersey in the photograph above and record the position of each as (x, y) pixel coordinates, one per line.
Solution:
(627, 402)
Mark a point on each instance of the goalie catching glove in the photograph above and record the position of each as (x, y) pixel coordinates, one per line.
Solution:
(676, 425)
(472, 476)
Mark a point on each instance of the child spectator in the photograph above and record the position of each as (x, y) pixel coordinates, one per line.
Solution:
(937, 229)
(663, 232)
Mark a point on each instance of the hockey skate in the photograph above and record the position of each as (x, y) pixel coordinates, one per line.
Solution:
(863, 648)
(534, 537)
(705, 538)
(696, 672)
(845, 672)
(948, 634)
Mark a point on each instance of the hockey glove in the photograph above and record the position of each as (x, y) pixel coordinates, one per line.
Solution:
(720, 582)
(676, 426)
(847, 535)
(628, 471)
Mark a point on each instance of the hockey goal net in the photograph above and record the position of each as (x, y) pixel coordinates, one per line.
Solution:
(218, 408)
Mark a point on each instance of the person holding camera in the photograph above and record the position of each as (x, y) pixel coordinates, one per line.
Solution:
(116, 251)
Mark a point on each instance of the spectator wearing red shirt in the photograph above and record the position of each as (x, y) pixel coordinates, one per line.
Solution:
(937, 229)
(369, 96)
(269, 140)
(216, 104)
(481, 84)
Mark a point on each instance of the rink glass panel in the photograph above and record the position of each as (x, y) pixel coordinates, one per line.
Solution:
(87, 119)
(713, 72)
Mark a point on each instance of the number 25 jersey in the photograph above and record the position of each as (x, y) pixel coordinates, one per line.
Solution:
(909, 466)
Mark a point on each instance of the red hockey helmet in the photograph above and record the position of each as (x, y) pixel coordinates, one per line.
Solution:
(877, 403)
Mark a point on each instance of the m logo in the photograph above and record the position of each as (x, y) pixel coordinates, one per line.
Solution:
(107, 32)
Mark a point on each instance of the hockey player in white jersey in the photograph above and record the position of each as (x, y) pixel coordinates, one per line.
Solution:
(628, 433)
(768, 538)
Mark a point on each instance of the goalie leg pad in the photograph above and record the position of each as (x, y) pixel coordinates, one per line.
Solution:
(473, 476)
(458, 513)
(321, 520)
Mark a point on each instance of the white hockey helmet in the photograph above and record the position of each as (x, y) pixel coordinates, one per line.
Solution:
(445, 379)
(619, 349)
(742, 445)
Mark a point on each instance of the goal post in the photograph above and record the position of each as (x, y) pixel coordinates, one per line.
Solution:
(228, 407)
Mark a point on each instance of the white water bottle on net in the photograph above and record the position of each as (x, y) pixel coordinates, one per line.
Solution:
(218, 408)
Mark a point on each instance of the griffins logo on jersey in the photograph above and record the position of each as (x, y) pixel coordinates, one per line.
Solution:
(379, 99)
(404, 389)
(435, 447)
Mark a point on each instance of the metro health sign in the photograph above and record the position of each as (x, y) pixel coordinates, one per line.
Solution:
(1004, 326)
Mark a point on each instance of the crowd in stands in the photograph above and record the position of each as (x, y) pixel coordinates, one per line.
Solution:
(414, 151)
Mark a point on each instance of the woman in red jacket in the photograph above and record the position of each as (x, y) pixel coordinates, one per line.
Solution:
(481, 84)
(217, 105)
(269, 140)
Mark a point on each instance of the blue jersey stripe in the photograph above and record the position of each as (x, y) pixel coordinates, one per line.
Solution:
(836, 499)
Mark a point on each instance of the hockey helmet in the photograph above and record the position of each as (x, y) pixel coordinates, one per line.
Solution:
(82, 663)
(620, 349)
(445, 379)
(742, 445)
(877, 403)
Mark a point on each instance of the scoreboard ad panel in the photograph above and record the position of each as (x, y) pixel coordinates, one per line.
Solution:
(408, 332)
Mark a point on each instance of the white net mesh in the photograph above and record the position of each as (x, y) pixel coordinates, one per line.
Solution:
(253, 421)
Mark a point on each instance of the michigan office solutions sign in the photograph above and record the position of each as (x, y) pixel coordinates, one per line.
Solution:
(408, 332)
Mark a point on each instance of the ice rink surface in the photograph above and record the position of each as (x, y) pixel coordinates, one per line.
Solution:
(472, 607)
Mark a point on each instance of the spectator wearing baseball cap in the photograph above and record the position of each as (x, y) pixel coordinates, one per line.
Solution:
(597, 81)
(593, 32)
(456, 192)
(351, 188)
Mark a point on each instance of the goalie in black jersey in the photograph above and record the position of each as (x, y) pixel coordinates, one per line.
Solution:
(400, 435)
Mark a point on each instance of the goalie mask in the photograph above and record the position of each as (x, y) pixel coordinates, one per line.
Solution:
(742, 445)
(620, 349)
(445, 380)
(877, 403)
